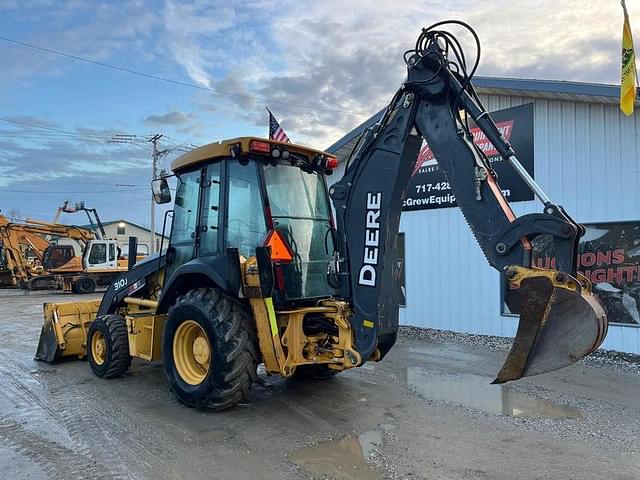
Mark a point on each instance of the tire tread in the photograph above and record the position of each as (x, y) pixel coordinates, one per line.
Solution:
(119, 359)
(237, 341)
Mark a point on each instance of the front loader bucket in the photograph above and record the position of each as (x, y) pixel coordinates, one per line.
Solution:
(64, 333)
(561, 321)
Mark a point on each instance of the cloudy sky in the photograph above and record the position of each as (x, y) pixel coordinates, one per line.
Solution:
(322, 67)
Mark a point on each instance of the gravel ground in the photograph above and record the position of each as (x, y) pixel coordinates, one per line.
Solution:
(426, 411)
(600, 358)
(595, 416)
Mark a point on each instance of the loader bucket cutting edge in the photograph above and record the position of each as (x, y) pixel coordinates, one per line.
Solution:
(560, 323)
(47, 350)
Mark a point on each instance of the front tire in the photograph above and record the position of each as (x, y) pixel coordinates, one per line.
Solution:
(210, 350)
(108, 346)
(84, 285)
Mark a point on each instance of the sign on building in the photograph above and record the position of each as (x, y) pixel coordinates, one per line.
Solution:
(428, 187)
(609, 256)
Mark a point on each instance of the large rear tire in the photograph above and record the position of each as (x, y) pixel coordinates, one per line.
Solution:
(108, 346)
(210, 350)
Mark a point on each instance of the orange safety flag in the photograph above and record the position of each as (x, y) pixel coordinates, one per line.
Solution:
(628, 80)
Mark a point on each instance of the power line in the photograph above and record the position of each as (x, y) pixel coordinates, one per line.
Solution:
(48, 138)
(51, 129)
(217, 91)
(53, 134)
(65, 192)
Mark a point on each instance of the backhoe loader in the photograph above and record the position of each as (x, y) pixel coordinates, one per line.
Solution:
(257, 268)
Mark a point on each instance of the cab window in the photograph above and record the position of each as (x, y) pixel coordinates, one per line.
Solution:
(183, 229)
(98, 254)
(210, 210)
(185, 219)
(246, 226)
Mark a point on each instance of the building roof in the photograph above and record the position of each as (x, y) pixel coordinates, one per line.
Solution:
(550, 89)
(546, 89)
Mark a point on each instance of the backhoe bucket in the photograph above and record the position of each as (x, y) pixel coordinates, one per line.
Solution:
(561, 321)
(64, 333)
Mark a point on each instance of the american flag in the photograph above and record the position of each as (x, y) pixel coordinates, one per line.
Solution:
(276, 132)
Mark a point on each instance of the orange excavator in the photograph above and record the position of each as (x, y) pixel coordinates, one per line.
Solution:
(21, 256)
(60, 267)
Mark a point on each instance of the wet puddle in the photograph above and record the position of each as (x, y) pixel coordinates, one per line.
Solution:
(343, 459)
(475, 391)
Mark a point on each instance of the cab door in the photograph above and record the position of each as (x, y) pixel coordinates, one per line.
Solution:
(112, 255)
(209, 242)
(97, 255)
(184, 228)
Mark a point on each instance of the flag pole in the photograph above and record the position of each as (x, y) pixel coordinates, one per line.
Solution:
(626, 16)
(628, 85)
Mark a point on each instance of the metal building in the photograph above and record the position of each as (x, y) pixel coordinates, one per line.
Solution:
(586, 155)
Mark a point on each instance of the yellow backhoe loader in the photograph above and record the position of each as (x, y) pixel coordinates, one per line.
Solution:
(258, 269)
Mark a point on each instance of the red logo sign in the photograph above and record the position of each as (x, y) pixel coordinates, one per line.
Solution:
(426, 157)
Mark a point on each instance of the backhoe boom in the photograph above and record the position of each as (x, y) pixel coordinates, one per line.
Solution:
(433, 104)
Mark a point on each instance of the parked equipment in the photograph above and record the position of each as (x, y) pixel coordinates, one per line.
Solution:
(256, 271)
(21, 254)
(60, 267)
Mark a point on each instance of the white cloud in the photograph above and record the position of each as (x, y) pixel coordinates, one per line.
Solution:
(99, 32)
(188, 26)
(340, 58)
(170, 118)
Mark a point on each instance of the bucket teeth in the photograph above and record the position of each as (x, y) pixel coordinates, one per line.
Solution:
(561, 321)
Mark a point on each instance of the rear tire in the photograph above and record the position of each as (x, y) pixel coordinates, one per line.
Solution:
(210, 350)
(108, 346)
(314, 372)
(84, 285)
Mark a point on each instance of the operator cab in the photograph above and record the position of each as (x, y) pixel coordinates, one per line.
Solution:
(247, 193)
(56, 256)
(101, 255)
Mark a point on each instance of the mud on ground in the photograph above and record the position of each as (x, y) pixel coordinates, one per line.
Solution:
(427, 411)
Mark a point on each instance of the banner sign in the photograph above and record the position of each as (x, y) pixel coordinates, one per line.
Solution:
(428, 187)
(609, 256)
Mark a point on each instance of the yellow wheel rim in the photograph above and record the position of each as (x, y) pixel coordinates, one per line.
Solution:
(98, 348)
(191, 352)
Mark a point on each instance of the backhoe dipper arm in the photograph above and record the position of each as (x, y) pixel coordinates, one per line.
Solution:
(369, 198)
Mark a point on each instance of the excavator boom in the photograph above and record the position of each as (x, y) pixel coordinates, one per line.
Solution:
(31, 234)
(561, 321)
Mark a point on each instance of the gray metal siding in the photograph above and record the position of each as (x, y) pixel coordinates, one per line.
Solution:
(586, 158)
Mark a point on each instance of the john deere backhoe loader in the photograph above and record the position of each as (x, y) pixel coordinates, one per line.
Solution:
(256, 270)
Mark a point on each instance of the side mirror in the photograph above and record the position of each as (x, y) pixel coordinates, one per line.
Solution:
(161, 191)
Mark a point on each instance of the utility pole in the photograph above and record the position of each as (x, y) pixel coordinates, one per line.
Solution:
(156, 155)
(154, 174)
